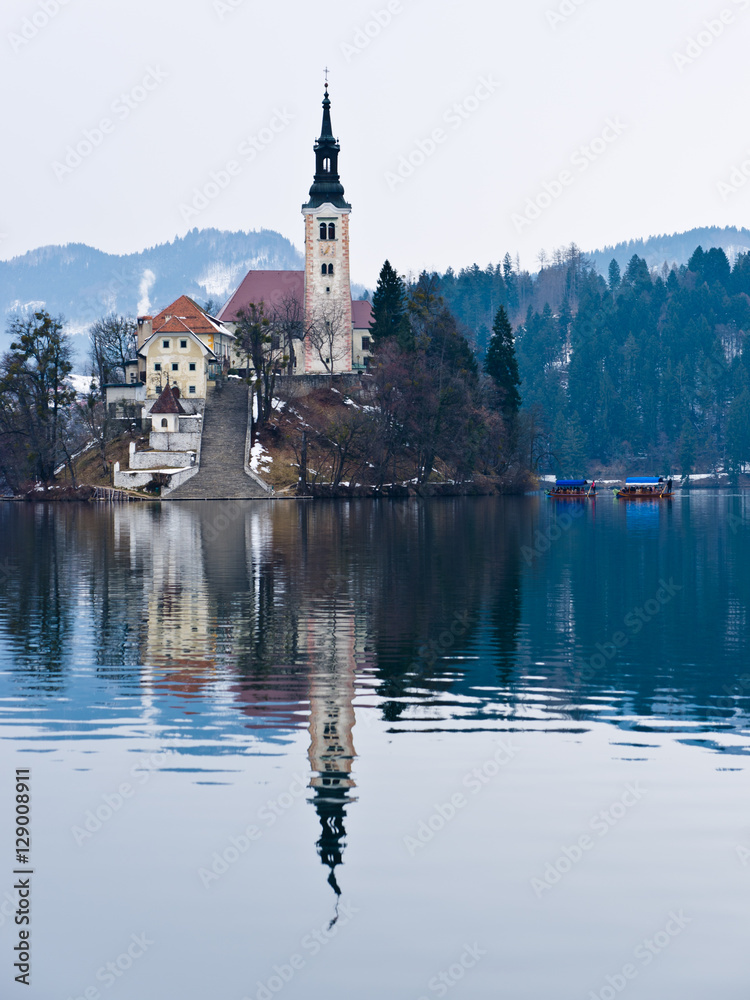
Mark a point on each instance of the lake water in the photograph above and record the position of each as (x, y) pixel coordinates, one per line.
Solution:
(474, 748)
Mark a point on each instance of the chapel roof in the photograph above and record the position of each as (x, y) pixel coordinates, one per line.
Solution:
(168, 402)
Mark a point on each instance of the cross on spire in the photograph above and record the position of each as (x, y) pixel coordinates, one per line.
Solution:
(326, 71)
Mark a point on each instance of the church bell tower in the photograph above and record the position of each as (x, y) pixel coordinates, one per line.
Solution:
(328, 297)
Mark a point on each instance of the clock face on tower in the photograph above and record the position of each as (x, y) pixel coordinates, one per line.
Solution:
(327, 250)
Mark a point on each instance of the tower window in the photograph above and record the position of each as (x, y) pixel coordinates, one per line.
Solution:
(323, 269)
(328, 288)
(330, 268)
(331, 231)
(327, 165)
(323, 231)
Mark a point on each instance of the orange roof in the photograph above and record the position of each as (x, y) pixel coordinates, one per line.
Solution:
(184, 314)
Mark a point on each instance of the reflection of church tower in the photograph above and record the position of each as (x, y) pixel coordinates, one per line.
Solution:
(328, 297)
(332, 690)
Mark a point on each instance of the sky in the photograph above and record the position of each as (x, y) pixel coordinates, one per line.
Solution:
(467, 130)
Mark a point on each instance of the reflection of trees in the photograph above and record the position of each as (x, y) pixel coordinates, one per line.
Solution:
(431, 580)
(40, 568)
(270, 597)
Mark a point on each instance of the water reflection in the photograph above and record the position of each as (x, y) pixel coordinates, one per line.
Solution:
(242, 639)
(441, 612)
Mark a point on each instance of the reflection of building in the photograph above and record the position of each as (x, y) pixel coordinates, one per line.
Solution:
(176, 629)
(215, 629)
(331, 753)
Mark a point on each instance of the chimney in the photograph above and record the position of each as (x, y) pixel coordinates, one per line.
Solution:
(145, 329)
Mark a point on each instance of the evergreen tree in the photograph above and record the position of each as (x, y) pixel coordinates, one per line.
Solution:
(637, 273)
(614, 275)
(687, 448)
(34, 394)
(570, 441)
(501, 365)
(716, 267)
(388, 306)
(695, 263)
(738, 434)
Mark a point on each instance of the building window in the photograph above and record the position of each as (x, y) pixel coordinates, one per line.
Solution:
(132, 376)
(175, 366)
(330, 268)
(183, 344)
(323, 230)
(275, 341)
(323, 269)
(365, 343)
(328, 288)
(191, 366)
(191, 390)
(164, 422)
(331, 231)
(165, 344)
(157, 366)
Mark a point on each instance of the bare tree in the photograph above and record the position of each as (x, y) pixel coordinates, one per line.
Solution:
(261, 345)
(114, 342)
(329, 337)
(96, 419)
(288, 323)
(344, 433)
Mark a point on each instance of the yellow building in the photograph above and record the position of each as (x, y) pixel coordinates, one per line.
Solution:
(182, 346)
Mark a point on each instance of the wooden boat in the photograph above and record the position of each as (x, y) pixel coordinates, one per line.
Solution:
(645, 488)
(572, 489)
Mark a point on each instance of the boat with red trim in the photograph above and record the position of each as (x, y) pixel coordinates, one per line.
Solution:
(645, 488)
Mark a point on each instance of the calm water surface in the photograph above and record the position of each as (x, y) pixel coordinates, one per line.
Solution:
(474, 748)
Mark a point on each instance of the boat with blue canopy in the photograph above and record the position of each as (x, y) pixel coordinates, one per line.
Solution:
(645, 488)
(572, 489)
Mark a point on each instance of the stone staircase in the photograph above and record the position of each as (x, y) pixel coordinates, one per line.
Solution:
(222, 475)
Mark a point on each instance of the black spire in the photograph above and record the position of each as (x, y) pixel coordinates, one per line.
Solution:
(327, 186)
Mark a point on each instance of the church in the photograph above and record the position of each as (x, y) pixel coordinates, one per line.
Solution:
(326, 331)
(183, 354)
(334, 330)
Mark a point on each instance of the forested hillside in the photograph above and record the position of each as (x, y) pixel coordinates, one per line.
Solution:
(646, 370)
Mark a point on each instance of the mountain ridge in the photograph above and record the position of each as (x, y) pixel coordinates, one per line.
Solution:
(82, 283)
(671, 248)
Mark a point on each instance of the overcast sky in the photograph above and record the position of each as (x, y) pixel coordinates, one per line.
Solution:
(467, 129)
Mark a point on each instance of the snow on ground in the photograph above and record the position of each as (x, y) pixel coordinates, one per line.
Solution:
(81, 383)
(260, 460)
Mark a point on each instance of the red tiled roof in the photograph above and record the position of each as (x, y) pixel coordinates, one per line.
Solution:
(361, 314)
(183, 314)
(269, 287)
(168, 402)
